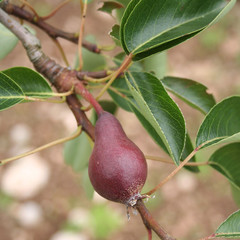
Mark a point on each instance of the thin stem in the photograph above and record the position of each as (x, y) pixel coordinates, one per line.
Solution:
(55, 10)
(107, 47)
(30, 7)
(149, 230)
(63, 94)
(47, 28)
(59, 46)
(209, 237)
(175, 171)
(97, 80)
(81, 90)
(119, 93)
(121, 69)
(80, 38)
(95, 75)
(150, 222)
(81, 118)
(62, 140)
(45, 100)
(163, 160)
(93, 87)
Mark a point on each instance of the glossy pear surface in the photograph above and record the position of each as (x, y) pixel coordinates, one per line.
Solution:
(117, 167)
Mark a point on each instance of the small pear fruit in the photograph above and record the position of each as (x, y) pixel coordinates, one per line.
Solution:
(117, 167)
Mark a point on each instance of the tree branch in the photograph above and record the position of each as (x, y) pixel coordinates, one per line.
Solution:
(150, 222)
(47, 28)
(63, 79)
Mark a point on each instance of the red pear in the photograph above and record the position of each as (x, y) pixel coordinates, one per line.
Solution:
(117, 167)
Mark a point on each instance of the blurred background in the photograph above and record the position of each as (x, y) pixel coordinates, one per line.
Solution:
(43, 198)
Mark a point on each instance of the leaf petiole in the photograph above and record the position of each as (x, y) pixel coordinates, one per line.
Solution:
(176, 170)
(51, 144)
(164, 160)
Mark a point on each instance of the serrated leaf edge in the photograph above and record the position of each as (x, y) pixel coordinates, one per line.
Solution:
(220, 234)
(222, 137)
(177, 161)
(134, 52)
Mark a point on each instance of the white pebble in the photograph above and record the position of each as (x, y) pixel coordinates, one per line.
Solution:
(24, 178)
(20, 134)
(68, 236)
(79, 217)
(28, 214)
(186, 182)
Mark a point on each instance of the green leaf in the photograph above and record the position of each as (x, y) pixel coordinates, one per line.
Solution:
(193, 93)
(128, 103)
(160, 110)
(122, 95)
(135, 66)
(91, 61)
(188, 148)
(103, 221)
(8, 41)
(31, 82)
(77, 152)
(108, 106)
(155, 136)
(109, 6)
(114, 33)
(10, 92)
(222, 123)
(236, 194)
(87, 185)
(156, 64)
(166, 23)
(226, 160)
(150, 129)
(230, 228)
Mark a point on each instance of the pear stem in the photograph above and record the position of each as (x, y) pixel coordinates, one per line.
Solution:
(176, 170)
(163, 160)
(151, 223)
(81, 90)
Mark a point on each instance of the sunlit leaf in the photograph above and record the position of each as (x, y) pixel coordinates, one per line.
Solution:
(8, 41)
(31, 82)
(151, 26)
(77, 152)
(230, 228)
(109, 6)
(114, 33)
(10, 92)
(120, 93)
(226, 160)
(104, 221)
(160, 110)
(87, 185)
(222, 123)
(156, 64)
(188, 148)
(193, 93)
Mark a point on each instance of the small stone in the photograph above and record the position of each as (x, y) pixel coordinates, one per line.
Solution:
(25, 177)
(186, 182)
(28, 214)
(79, 217)
(63, 235)
(20, 134)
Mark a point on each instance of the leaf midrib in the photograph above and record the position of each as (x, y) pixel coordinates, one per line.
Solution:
(169, 29)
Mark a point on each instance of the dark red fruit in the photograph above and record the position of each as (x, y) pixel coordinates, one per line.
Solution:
(117, 167)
